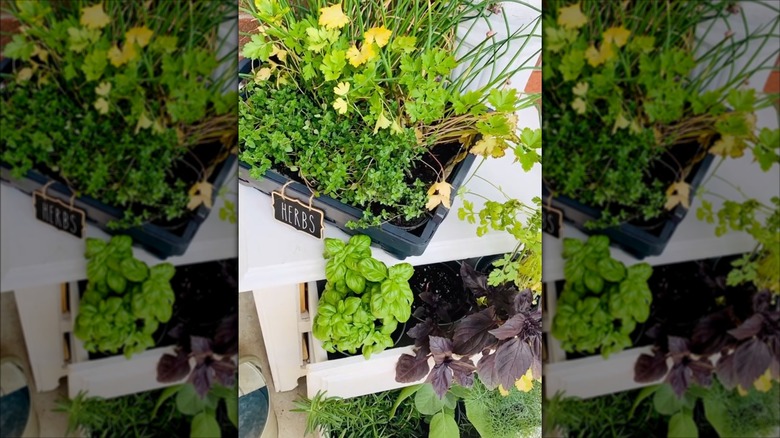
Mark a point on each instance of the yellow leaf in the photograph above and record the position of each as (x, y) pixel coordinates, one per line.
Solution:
(139, 35)
(143, 123)
(728, 146)
(418, 135)
(280, 54)
(581, 89)
(103, 89)
(607, 51)
(502, 391)
(381, 123)
(620, 123)
(333, 17)
(635, 127)
(593, 56)
(340, 105)
(115, 56)
(378, 35)
(439, 193)
(617, 35)
(489, 146)
(262, 75)
(741, 390)
(354, 56)
(571, 17)
(341, 89)
(678, 193)
(101, 105)
(200, 193)
(42, 54)
(121, 57)
(158, 127)
(94, 17)
(598, 57)
(579, 106)
(764, 383)
(395, 128)
(24, 74)
(367, 52)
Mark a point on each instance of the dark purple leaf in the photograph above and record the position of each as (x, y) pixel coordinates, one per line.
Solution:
(679, 378)
(678, 346)
(751, 360)
(523, 301)
(502, 298)
(726, 371)
(201, 379)
(200, 347)
(701, 371)
(648, 368)
(751, 327)
(226, 336)
(463, 371)
(410, 368)
(224, 371)
(422, 330)
(774, 369)
(536, 346)
(510, 328)
(536, 368)
(488, 374)
(441, 348)
(172, 368)
(710, 335)
(762, 301)
(177, 332)
(441, 379)
(474, 281)
(472, 334)
(513, 359)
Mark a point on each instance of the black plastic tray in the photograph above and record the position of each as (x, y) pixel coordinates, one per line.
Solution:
(633, 239)
(399, 242)
(156, 239)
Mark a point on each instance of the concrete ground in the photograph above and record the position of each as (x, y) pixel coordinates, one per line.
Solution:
(54, 424)
(250, 342)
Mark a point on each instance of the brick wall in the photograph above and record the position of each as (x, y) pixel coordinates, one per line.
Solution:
(8, 24)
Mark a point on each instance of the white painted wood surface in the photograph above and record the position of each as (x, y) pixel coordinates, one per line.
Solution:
(117, 376)
(278, 309)
(42, 320)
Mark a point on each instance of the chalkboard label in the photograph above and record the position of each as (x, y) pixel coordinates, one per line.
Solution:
(297, 215)
(60, 215)
(552, 221)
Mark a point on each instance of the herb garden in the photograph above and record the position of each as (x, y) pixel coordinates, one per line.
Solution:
(375, 114)
(658, 101)
(121, 111)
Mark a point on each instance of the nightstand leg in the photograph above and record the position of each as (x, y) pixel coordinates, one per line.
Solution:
(278, 309)
(40, 312)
